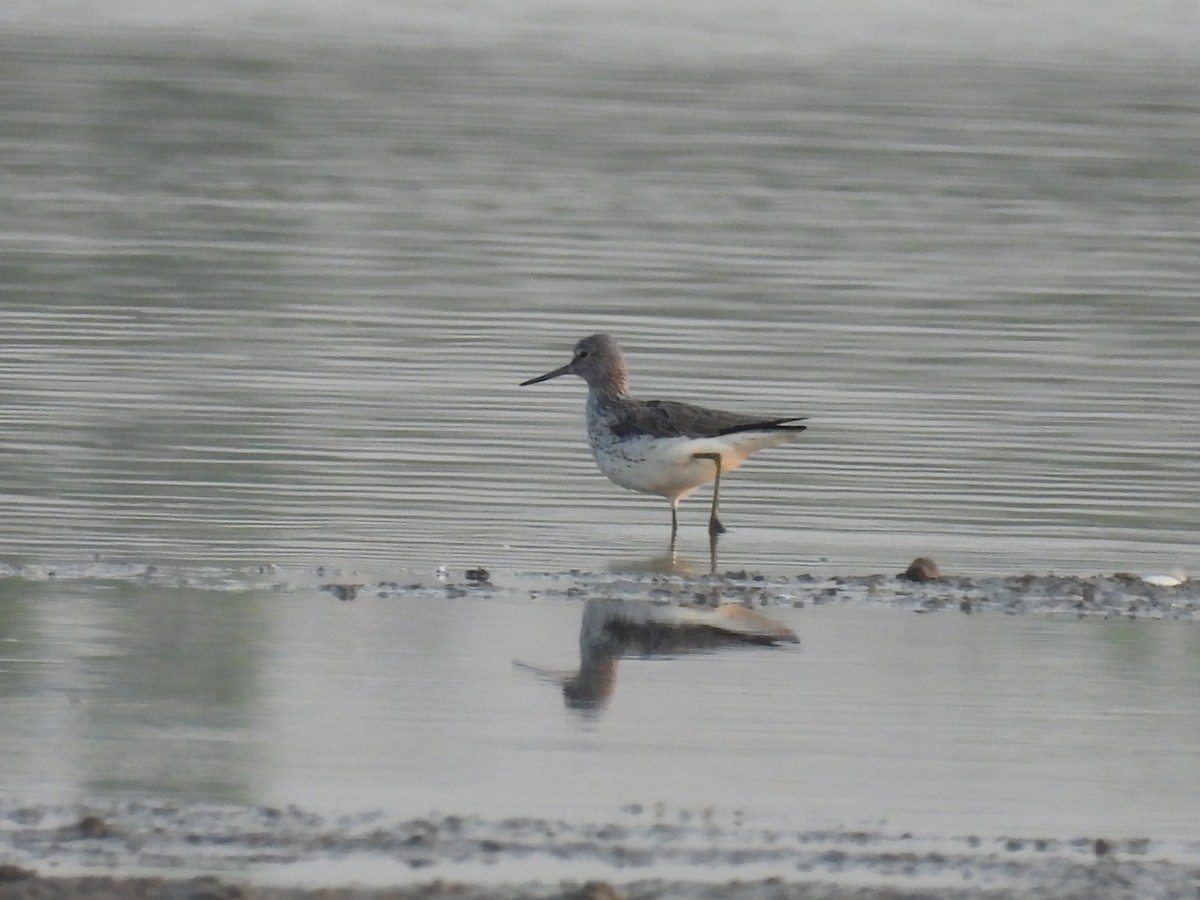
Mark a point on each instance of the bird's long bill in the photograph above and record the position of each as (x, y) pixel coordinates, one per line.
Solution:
(563, 370)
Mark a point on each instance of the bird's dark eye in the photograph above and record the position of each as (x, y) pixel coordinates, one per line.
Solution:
(582, 354)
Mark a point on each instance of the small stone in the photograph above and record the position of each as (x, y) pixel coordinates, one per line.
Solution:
(597, 890)
(921, 569)
(10, 872)
(93, 827)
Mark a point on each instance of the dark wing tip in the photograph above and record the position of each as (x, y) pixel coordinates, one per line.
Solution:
(768, 425)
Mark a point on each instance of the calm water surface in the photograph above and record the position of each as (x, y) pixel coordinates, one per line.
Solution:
(265, 305)
(266, 298)
(944, 723)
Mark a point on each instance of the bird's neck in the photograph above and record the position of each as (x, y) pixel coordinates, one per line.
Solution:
(608, 394)
(612, 384)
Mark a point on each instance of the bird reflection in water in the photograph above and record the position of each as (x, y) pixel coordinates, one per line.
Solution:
(669, 563)
(613, 628)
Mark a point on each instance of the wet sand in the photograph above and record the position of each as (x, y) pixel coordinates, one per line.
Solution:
(291, 854)
(1111, 882)
(920, 588)
(1122, 594)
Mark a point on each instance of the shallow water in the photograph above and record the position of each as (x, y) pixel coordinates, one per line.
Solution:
(266, 295)
(943, 724)
(267, 301)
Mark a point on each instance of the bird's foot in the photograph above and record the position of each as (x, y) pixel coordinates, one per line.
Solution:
(715, 526)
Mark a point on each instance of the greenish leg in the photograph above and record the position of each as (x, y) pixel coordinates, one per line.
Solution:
(714, 523)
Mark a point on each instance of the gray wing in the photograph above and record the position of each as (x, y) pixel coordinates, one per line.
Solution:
(668, 418)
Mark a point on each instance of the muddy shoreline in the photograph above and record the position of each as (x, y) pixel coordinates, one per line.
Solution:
(197, 852)
(1111, 883)
(186, 851)
(1113, 595)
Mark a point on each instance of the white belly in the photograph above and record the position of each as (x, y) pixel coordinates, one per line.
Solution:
(668, 467)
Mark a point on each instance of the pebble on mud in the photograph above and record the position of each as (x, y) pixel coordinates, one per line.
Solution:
(597, 890)
(921, 569)
(478, 575)
(91, 828)
(9, 872)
